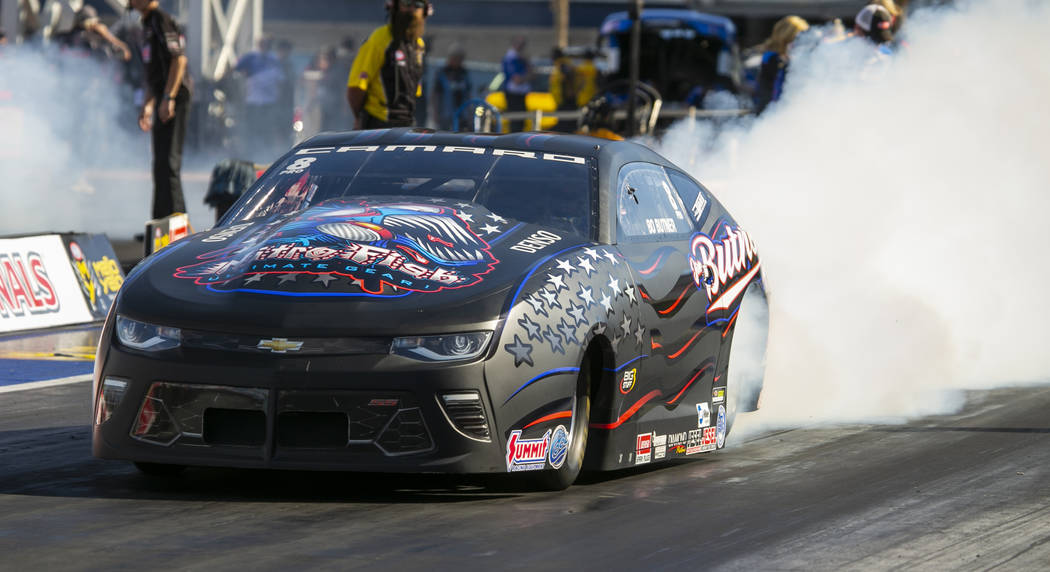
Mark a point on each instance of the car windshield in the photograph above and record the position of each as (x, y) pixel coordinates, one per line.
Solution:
(530, 186)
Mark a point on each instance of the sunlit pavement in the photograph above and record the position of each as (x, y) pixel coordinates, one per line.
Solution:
(45, 356)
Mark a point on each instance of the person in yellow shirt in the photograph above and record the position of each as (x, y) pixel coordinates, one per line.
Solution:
(586, 79)
(386, 78)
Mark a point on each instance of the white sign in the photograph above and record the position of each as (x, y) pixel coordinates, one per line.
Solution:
(37, 285)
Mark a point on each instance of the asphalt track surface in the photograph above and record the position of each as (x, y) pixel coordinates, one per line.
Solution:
(969, 491)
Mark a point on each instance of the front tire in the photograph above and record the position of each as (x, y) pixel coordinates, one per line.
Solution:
(563, 477)
(160, 469)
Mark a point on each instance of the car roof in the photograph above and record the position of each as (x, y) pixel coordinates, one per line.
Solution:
(608, 152)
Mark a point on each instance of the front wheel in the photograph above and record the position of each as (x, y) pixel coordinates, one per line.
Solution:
(160, 469)
(562, 477)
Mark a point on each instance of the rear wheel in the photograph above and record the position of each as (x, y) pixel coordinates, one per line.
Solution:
(563, 477)
(160, 469)
(747, 357)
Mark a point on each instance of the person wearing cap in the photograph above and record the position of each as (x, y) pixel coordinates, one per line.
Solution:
(167, 103)
(385, 81)
(774, 66)
(874, 23)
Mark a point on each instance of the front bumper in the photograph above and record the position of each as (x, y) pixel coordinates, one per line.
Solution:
(360, 413)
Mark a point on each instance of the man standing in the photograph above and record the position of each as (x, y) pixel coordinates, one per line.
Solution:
(385, 80)
(452, 88)
(167, 94)
(263, 121)
(517, 74)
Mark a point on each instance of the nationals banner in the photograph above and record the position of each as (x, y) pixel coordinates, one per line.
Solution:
(54, 280)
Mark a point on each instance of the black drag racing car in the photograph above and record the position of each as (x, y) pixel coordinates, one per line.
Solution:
(410, 301)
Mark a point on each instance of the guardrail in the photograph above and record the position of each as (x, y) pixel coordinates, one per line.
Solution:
(691, 113)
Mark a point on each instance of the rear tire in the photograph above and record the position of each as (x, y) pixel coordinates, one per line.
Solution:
(563, 477)
(745, 372)
(160, 469)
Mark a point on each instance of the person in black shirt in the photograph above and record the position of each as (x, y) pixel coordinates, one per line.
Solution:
(168, 94)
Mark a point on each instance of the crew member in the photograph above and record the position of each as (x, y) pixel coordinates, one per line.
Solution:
(167, 103)
(386, 78)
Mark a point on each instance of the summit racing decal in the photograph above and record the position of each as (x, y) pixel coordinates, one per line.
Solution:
(386, 250)
(723, 266)
(528, 454)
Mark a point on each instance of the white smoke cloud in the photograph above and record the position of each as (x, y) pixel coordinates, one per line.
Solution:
(900, 210)
(71, 155)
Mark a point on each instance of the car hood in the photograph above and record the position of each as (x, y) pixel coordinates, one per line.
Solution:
(363, 266)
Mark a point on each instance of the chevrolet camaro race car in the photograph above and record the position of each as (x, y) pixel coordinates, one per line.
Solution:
(410, 301)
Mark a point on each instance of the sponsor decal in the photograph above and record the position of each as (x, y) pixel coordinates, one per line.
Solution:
(679, 450)
(38, 287)
(718, 394)
(381, 251)
(98, 274)
(707, 441)
(721, 426)
(559, 449)
(695, 443)
(703, 415)
(527, 454)
(226, 233)
(660, 446)
(555, 157)
(384, 402)
(279, 345)
(536, 241)
(629, 377)
(698, 206)
(643, 449)
(723, 266)
(675, 439)
(661, 225)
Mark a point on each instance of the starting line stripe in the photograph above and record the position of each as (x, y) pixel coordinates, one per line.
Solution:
(47, 383)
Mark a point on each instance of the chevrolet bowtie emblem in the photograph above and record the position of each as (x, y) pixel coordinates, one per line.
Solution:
(279, 345)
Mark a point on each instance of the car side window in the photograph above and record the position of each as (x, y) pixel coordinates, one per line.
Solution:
(649, 208)
(695, 196)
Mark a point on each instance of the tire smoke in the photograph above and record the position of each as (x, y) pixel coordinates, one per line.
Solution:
(898, 205)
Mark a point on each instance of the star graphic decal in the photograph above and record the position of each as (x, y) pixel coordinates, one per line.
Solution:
(290, 277)
(557, 282)
(495, 217)
(488, 228)
(551, 298)
(463, 205)
(630, 294)
(625, 325)
(600, 328)
(585, 263)
(566, 266)
(592, 253)
(325, 278)
(568, 332)
(254, 278)
(522, 352)
(614, 285)
(586, 295)
(638, 334)
(606, 302)
(435, 201)
(537, 305)
(532, 329)
(577, 313)
(554, 339)
(466, 217)
(611, 257)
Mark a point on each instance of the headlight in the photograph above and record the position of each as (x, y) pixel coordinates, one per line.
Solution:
(146, 337)
(442, 348)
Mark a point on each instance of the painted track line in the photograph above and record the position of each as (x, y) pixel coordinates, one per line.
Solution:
(45, 383)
